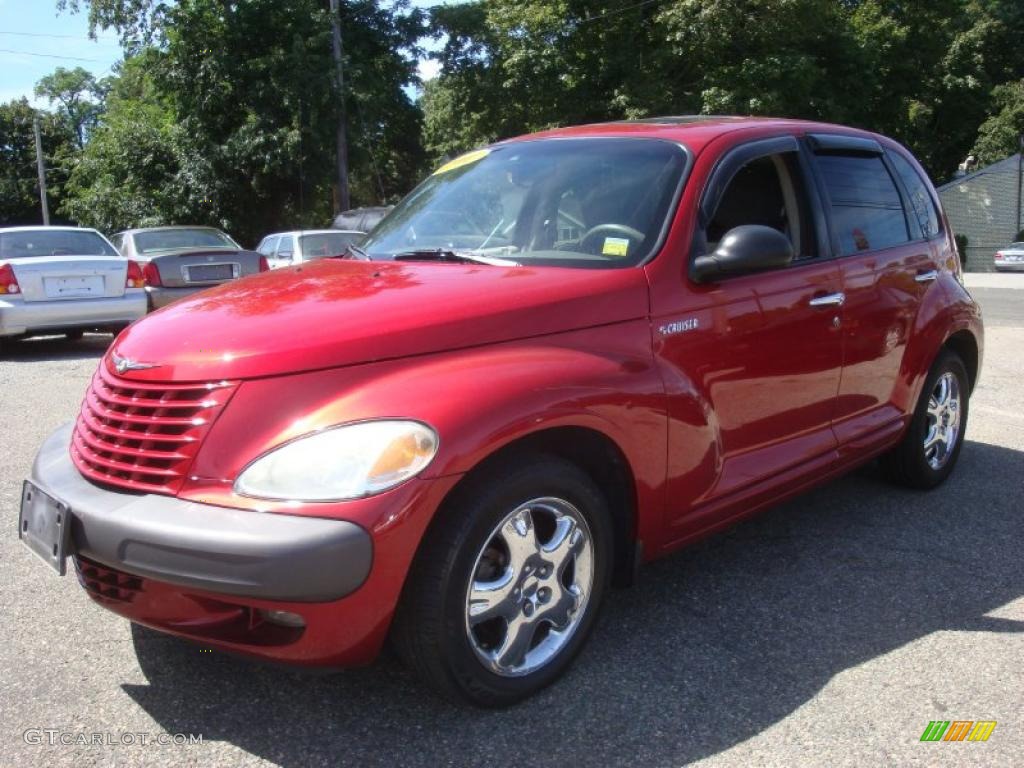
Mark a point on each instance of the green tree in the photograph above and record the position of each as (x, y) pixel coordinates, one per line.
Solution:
(252, 109)
(19, 185)
(79, 97)
(999, 136)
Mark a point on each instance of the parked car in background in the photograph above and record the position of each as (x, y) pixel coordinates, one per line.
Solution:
(635, 335)
(360, 219)
(65, 280)
(178, 261)
(285, 248)
(1010, 258)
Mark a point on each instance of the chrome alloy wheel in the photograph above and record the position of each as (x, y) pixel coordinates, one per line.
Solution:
(943, 421)
(529, 586)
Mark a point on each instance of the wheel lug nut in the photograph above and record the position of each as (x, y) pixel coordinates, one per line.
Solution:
(544, 594)
(528, 608)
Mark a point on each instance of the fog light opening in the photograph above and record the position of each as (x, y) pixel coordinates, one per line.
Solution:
(284, 619)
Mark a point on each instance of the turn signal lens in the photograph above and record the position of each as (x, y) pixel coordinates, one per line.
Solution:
(151, 275)
(8, 282)
(134, 279)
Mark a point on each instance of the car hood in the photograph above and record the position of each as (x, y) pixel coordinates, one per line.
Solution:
(333, 312)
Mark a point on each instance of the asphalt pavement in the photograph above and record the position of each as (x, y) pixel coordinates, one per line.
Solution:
(829, 631)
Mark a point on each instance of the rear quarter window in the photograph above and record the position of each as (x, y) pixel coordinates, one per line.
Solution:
(867, 212)
(921, 203)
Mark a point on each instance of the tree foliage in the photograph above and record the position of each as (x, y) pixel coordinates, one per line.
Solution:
(236, 123)
(924, 71)
(19, 186)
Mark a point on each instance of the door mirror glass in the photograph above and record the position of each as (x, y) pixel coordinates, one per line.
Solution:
(742, 250)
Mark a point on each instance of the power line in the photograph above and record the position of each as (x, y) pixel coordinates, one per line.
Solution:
(615, 12)
(66, 37)
(51, 56)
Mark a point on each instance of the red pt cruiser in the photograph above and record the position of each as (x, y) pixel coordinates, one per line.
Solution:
(559, 357)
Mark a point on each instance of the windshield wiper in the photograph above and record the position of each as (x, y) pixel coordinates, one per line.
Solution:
(359, 252)
(446, 254)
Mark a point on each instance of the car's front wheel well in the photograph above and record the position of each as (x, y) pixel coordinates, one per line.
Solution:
(605, 464)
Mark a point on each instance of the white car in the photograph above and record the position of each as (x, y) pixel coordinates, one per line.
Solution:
(283, 249)
(65, 280)
(1010, 258)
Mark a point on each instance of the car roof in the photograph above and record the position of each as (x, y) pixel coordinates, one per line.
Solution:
(169, 227)
(314, 232)
(695, 131)
(42, 228)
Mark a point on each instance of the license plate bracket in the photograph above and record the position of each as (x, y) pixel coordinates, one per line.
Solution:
(44, 526)
(206, 273)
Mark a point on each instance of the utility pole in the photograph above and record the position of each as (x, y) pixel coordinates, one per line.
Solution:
(1020, 178)
(342, 140)
(41, 168)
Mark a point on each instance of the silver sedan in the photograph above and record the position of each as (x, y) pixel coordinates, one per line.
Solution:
(1010, 258)
(65, 280)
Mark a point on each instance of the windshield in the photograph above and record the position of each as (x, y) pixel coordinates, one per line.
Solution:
(161, 239)
(53, 242)
(589, 202)
(326, 244)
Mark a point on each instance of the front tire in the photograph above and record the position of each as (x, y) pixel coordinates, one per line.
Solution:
(929, 450)
(507, 583)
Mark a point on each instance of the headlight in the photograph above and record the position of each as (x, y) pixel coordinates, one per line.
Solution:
(345, 462)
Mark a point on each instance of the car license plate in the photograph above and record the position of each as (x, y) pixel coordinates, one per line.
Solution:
(44, 526)
(1013, 257)
(204, 273)
(73, 287)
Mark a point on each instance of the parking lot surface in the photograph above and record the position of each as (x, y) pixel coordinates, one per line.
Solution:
(829, 631)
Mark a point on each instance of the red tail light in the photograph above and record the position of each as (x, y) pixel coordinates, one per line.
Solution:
(999, 255)
(264, 266)
(151, 274)
(8, 282)
(135, 278)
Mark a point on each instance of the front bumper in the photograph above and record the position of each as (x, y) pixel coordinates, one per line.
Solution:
(18, 316)
(235, 552)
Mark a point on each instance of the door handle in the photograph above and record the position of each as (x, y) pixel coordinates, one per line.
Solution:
(828, 300)
(927, 277)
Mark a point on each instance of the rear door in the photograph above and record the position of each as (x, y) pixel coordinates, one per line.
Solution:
(887, 265)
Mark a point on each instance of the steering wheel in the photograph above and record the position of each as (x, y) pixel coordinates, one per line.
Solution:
(590, 238)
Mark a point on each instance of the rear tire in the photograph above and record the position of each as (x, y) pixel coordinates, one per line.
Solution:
(507, 583)
(929, 450)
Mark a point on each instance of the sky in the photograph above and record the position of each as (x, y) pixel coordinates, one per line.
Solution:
(35, 40)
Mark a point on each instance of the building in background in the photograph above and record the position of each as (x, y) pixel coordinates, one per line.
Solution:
(983, 206)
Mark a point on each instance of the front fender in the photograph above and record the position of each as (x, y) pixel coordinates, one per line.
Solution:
(479, 400)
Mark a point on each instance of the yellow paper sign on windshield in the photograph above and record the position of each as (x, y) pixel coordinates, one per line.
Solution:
(461, 160)
(615, 246)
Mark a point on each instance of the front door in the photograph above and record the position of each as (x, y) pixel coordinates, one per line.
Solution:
(760, 353)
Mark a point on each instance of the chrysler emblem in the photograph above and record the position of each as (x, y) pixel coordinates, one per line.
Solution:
(122, 364)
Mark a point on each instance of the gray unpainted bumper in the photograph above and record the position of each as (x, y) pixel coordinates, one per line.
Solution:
(18, 316)
(215, 549)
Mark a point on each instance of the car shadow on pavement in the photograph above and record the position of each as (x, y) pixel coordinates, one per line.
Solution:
(715, 644)
(52, 348)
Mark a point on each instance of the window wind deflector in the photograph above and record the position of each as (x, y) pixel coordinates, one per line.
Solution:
(841, 144)
(442, 254)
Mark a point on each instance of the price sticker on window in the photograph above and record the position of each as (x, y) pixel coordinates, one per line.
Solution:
(615, 246)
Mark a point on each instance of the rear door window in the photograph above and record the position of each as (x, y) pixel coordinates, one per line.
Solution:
(268, 245)
(867, 213)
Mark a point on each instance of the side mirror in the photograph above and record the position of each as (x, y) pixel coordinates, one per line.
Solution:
(744, 249)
